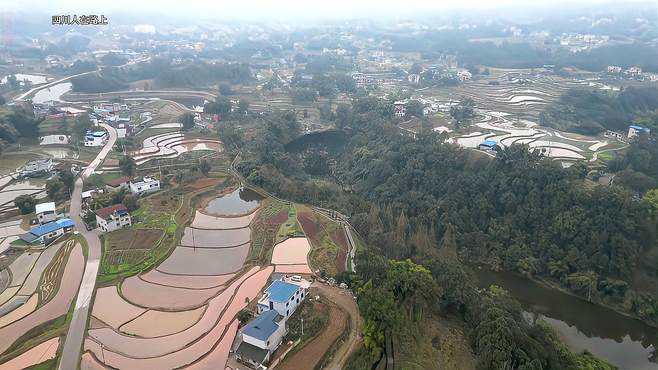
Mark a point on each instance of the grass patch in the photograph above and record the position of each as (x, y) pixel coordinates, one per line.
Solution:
(606, 156)
(36, 336)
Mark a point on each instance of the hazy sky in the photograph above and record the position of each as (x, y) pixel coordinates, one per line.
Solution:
(272, 9)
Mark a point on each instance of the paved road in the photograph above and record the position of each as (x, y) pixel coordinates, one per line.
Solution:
(49, 84)
(73, 344)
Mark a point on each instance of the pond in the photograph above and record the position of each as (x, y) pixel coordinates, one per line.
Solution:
(54, 92)
(623, 341)
(21, 77)
(239, 202)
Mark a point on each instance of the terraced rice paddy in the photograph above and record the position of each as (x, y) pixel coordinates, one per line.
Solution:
(182, 313)
(172, 145)
(509, 103)
(290, 256)
(58, 303)
(36, 355)
(505, 132)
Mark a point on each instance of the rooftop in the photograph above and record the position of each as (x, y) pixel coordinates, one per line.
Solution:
(106, 212)
(44, 207)
(636, 127)
(263, 326)
(251, 352)
(116, 182)
(51, 226)
(281, 291)
(488, 143)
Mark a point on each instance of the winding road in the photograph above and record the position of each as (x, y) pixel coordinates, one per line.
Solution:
(73, 344)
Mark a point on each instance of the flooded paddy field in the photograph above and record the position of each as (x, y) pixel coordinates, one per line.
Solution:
(238, 202)
(181, 313)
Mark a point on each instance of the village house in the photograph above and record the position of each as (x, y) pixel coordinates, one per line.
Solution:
(635, 130)
(614, 69)
(54, 140)
(281, 296)
(37, 167)
(47, 232)
(260, 338)
(113, 218)
(122, 182)
(144, 185)
(46, 212)
(96, 138)
(614, 135)
(400, 108)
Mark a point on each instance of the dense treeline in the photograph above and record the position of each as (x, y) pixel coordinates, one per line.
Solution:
(591, 112)
(525, 55)
(15, 124)
(164, 75)
(519, 212)
(637, 167)
(392, 294)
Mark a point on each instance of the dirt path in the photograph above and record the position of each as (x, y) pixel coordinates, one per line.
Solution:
(312, 353)
(344, 300)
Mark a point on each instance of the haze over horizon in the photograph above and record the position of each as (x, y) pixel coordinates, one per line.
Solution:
(287, 10)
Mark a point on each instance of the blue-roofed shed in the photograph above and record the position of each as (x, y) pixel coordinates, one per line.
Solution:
(488, 145)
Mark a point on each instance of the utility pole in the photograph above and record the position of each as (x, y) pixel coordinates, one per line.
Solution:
(302, 326)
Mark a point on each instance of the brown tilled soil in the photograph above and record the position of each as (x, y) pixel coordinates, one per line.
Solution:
(205, 182)
(340, 239)
(311, 229)
(309, 356)
(278, 218)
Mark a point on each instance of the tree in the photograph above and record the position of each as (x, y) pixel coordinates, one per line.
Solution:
(81, 125)
(25, 203)
(221, 106)
(2, 100)
(204, 167)
(130, 201)
(127, 165)
(54, 187)
(187, 120)
(225, 89)
(244, 316)
(243, 106)
(463, 111)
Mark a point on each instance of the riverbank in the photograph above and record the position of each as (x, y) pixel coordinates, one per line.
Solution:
(620, 339)
(555, 285)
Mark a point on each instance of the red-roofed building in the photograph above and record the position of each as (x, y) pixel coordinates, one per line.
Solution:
(118, 183)
(113, 218)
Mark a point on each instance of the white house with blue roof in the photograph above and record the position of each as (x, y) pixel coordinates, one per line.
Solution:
(281, 296)
(49, 231)
(261, 337)
(634, 130)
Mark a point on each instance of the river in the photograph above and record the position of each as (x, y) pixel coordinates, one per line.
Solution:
(623, 341)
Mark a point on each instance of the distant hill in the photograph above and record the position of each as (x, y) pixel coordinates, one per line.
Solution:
(591, 112)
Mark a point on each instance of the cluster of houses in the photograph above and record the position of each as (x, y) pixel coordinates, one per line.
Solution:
(429, 106)
(633, 131)
(262, 336)
(37, 167)
(634, 73)
(117, 216)
(114, 115)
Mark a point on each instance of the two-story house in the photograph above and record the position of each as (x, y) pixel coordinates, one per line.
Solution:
(113, 218)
